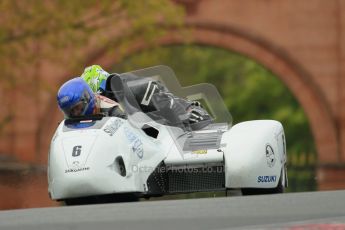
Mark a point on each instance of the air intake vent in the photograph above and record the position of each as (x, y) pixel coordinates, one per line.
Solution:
(196, 179)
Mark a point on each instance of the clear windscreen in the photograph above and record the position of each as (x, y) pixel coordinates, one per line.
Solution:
(155, 92)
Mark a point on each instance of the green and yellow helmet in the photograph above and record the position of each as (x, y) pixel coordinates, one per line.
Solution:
(95, 77)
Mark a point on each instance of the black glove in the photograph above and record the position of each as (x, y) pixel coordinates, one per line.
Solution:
(197, 114)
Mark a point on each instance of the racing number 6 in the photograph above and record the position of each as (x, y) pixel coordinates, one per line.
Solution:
(76, 151)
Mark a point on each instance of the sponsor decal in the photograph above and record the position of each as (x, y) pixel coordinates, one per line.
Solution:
(77, 170)
(267, 179)
(113, 127)
(137, 145)
(270, 157)
(201, 151)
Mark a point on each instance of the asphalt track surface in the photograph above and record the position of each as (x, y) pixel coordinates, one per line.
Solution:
(309, 210)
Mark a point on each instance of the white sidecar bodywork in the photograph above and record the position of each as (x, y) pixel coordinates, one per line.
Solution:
(143, 156)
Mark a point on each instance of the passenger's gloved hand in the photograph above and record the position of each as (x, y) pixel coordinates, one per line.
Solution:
(198, 118)
(197, 114)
